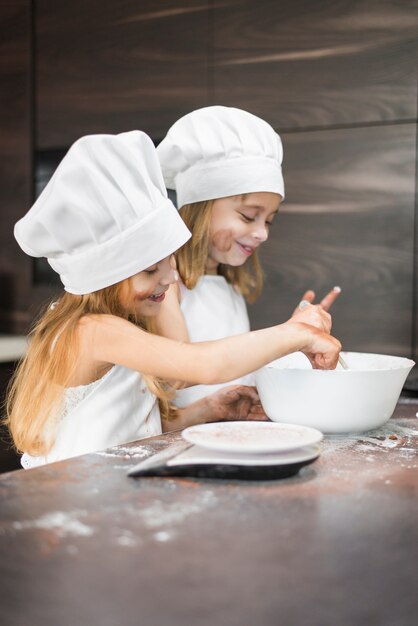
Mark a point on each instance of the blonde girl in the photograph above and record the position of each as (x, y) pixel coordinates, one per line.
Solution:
(225, 167)
(93, 371)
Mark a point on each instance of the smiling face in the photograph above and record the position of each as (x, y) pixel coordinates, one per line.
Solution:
(239, 224)
(144, 292)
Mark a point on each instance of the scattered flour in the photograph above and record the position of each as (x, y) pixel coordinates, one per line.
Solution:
(391, 435)
(163, 536)
(167, 516)
(399, 427)
(61, 523)
(128, 539)
(365, 461)
(158, 521)
(127, 452)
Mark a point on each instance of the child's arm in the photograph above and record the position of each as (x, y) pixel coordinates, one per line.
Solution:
(108, 339)
(170, 320)
(236, 402)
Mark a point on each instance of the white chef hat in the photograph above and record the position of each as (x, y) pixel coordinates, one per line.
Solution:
(220, 151)
(104, 215)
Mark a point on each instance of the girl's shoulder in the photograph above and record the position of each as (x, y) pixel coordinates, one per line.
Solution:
(91, 320)
(99, 326)
(95, 332)
(108, 339)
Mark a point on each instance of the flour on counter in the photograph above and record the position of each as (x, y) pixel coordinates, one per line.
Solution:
(127, 452)
(394, 427)
(128, 539)
(390, 435)
(164, 536)
(158, 514)
(159, 521)
(61, 523)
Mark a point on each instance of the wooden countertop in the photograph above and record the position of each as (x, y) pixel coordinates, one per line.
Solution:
(82, 544)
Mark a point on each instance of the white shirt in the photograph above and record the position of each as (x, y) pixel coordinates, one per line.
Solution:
(212, 310)
(113, 410)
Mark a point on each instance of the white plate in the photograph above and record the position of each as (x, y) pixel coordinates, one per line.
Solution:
(251, 437)
(201, 456)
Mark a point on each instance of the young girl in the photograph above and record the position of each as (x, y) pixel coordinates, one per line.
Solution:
(225, 166)
(92, 373)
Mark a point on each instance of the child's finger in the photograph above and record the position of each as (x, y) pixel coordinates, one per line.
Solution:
(330, 298)
(257, 410)
(257, 416)
(235, 392)
(308, 295)
(244, 408)
(307, 298)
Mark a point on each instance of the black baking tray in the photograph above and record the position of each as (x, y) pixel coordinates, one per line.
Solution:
(219, 471)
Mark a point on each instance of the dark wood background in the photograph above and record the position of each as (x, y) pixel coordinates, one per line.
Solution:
(338, 81)
(15, 157)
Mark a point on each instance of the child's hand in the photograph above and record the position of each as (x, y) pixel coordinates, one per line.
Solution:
(322, 349)
(312, 314)
(235, 402)
(316, 314)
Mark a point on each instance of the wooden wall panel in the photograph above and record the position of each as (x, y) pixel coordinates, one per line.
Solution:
(348, 220)
(15, 156)
(105, 66)
(348, 68)
(303, 64)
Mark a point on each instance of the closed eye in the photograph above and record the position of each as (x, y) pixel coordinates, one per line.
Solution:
(247, 218)
(252, 219)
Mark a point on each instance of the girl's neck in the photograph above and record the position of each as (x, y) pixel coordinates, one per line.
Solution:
(211, 267)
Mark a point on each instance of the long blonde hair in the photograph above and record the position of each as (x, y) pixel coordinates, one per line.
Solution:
(192, 257)
(36, 389)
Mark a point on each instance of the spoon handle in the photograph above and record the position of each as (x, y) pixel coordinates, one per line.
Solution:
(342, 363)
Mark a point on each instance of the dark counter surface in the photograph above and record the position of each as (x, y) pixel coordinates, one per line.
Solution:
(81, 544)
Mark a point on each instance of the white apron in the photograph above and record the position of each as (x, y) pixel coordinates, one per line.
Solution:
(116, 409)
(212, 310)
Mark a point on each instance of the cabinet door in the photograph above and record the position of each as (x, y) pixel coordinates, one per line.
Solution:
(105, 66)
(348, 220)
(304, 64)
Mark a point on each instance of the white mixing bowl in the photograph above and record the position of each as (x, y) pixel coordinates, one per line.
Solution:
(333, 401)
